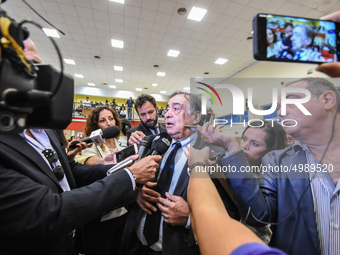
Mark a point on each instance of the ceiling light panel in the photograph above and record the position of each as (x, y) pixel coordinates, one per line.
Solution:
(163, 92)
(51, 32)
(117, 43)
(118, 68)
(154, 84)
(197, 13)
(173, 53)
(69, 61)
(112, 86)
(139, 89)
(117, 1)
(221, 61)
(119, 80)
(91, 84)
(77, 75)
(161, 74)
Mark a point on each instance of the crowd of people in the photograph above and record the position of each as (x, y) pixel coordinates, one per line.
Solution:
(281, 196)
(123, 111)
(87, 104)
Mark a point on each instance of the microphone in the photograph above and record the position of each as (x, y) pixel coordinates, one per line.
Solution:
(121, 165)
(144, 146)
(97, 137)
(161, 143)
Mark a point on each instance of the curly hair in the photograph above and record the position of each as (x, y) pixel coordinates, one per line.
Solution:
(92, 120)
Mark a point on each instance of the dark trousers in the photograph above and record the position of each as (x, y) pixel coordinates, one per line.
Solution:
(140, 249)
(104, 238)
(129, 113)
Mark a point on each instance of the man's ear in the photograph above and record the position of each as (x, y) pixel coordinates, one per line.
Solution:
(196, 118)
(329, 100)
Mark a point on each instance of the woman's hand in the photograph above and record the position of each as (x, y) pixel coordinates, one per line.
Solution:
(80, 146)
(214, 136)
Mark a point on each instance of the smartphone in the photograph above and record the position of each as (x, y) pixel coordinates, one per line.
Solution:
(127, 152)
(295, 39)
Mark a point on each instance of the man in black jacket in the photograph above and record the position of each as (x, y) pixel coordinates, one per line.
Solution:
(45, 195)
(146, 108)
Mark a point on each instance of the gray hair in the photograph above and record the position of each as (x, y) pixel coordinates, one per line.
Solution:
(309, 32)
(195, 101)
(318, 86)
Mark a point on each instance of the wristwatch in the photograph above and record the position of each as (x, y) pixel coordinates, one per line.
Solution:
(194, 165)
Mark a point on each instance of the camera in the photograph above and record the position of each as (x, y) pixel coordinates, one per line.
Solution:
(31, 96)
(295, 39)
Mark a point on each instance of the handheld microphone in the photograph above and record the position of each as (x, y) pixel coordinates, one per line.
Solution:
(144, 146)
(161, 144)
(121, 165)
(97, 137)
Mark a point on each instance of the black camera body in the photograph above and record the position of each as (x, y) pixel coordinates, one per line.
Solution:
(31, 96)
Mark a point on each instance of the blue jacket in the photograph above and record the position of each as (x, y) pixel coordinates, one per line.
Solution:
(274, 197)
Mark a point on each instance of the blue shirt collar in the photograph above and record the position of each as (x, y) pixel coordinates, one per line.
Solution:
(191, 139)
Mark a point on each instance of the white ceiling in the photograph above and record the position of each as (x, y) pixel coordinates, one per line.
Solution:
(149, 29)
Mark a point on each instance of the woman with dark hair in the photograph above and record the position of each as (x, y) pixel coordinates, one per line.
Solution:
(103, 235)
(101, 118)
(257, 140)
(271, 43)
(260, 138)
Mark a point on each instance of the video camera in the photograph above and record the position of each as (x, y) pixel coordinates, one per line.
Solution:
(31, 96)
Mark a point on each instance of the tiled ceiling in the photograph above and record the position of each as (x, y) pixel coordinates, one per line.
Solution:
(149, 29)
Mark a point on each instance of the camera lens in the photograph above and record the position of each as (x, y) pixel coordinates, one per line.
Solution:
(7, 121)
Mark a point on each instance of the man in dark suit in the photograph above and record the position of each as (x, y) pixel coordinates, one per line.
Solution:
(300, 185)
(39, 211)
(173, 232)
(45, 195)
(146, 108)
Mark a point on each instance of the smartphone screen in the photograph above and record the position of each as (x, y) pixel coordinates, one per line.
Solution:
(295, 39)
(127, 152)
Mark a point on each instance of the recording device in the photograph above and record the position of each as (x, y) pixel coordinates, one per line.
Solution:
(31, 96)
(295, 39)
(144, 146)
(125, 153)
(161, 144)
(98, 136)
(121, 165)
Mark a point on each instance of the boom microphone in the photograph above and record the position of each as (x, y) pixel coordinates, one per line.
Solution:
(97, 137)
